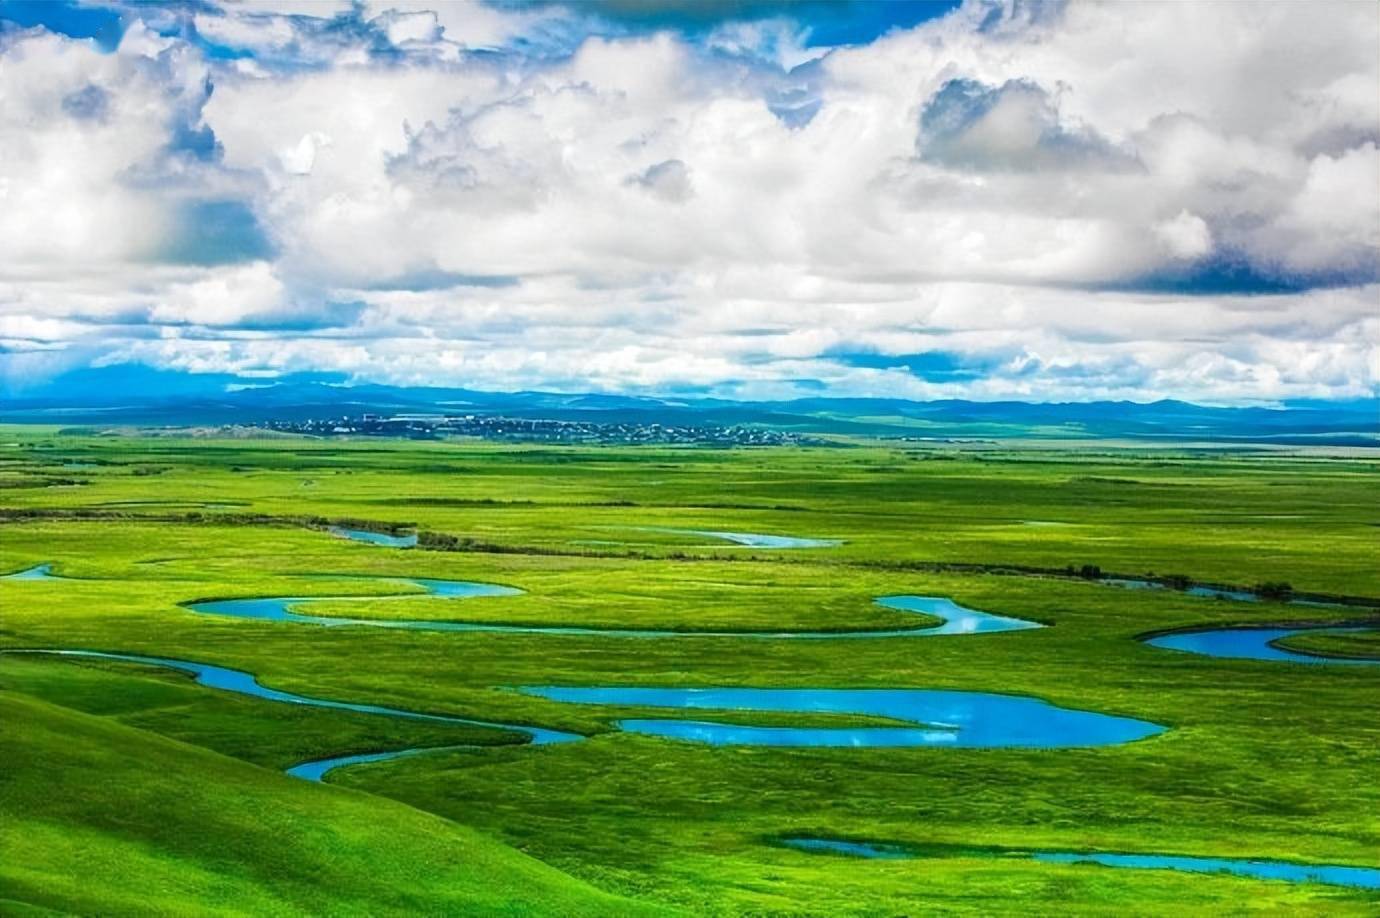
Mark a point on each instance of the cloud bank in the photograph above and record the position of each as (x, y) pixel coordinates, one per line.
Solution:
(1012, 200)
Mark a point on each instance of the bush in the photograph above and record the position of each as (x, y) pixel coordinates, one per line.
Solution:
(1274, 589)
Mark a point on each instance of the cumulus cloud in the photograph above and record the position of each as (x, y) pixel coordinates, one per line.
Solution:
(1014, 127)
(1185, 236)
(222, 298)
(497, 196)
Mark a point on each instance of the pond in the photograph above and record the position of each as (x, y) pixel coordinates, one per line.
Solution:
(375, 538)
(948, 718)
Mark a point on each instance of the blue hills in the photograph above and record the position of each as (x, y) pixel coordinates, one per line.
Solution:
(138, 395)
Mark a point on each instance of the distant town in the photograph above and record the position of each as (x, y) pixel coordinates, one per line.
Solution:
(545, 430)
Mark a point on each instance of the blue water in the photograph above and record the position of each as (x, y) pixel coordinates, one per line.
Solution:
(952, 719)
(874, 850)
(317, 769)
(278, 608)
(1240, 643)
(946, 718)
(1337, 875)
(375, 538)
(1206, 592)
(749, 539)
(1219, 593)
(1250, 644)
(38, 572)
(242, 683)
(956, 619)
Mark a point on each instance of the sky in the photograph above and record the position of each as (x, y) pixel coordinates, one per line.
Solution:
(752, 199)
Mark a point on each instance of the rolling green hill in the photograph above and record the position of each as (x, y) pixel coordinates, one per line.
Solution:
(100, 818)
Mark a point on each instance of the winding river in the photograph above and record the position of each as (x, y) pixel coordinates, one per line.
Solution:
(952, 719)
(1254, 644)
(317, 769)
(1333, 874)
(748, 539)
(1235, 643)
(928, 717)
(955, 619)
(943, 718)
(242, 683)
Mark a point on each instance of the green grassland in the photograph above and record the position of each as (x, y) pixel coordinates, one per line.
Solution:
(106, 819)
(129, 788)
(1360, 644)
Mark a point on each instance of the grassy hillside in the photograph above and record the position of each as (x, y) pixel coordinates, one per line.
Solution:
(100, 818)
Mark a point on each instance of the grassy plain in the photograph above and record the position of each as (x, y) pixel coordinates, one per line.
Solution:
(1262, 760)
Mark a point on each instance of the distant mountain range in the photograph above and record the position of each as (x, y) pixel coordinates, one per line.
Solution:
(136, 395)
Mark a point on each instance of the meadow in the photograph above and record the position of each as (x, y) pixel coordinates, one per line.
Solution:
(130, 789)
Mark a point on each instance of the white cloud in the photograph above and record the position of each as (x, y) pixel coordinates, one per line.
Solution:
(257, 31)
(1333, 222)
(409, 27)
(225, 297)
(75, 125)
(634, 214)
(1185, 236)
(299, 159)
(141, 41)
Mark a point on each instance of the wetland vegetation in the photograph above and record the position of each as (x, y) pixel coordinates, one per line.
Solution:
(174, 793)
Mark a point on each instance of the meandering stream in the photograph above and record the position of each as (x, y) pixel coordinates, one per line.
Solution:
(955, 619)
(946, 718)
(242, 683)
(929, 717)
(1334, 874)
(1258, 643)
(1254, 644)
(748, 539)
(954, 719)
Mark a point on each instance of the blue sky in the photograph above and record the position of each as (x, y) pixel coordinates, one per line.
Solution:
(747, 198)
